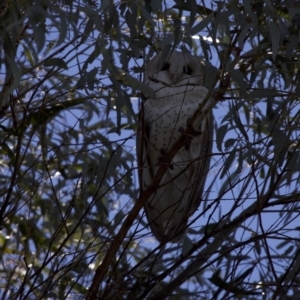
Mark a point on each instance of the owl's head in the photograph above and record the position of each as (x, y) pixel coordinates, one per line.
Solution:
(181, 68)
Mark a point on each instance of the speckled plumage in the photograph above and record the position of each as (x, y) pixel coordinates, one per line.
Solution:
(178, 94)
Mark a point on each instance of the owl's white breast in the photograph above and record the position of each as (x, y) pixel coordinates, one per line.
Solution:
(169, 112)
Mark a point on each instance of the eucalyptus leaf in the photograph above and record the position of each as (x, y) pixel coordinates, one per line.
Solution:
(228, 162)
(56, 62)
(221, 132)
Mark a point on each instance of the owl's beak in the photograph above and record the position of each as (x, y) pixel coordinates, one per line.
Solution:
(175, 77)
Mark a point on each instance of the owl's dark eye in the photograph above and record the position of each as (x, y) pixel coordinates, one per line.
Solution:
(187, 70)
(165, 67)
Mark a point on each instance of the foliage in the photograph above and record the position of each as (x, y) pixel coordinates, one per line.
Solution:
(72, 224)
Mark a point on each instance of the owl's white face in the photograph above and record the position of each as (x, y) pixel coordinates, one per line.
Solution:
(181, 68)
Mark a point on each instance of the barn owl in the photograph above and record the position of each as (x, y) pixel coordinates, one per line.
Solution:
(177, 83)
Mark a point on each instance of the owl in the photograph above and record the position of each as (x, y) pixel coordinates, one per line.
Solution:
(177, 83)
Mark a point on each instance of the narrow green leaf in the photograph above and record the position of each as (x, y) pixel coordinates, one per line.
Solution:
(209, 228)
(131, 22)
(39, 36)
(28, 55)
(274, 32)
(88, 29)
(156, 4)
(136, 84)
(257, 247)
(220, 134)
(228, 162)
(239, 123)
(187, 245)
(5, 149)
(238, 77)
(264, 93)
(201, 10)
(91, 78)
(147, 16)
(62, 29)
(282, 244)
(289, 250)
(118, 218)
(197, 28)
(56, 62)
(44, 114)
(229, 143)
(244, 275)
(262, 174)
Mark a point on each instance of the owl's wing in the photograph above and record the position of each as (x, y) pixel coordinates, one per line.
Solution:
(198, 174)
(142, 148)
(201, 167)
(139, 146)
(146, 165)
